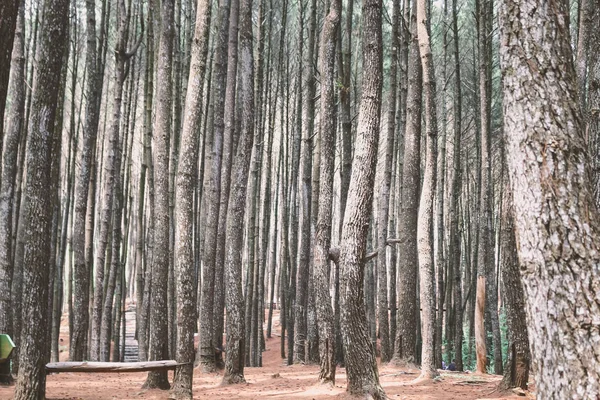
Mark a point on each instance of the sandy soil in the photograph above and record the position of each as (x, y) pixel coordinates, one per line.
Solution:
(274, 380)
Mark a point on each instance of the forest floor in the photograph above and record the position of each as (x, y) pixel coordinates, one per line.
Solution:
(274, 380)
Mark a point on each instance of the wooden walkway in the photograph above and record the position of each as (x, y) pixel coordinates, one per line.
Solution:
(131, 344)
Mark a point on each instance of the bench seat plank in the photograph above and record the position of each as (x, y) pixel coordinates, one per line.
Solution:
(91, 366)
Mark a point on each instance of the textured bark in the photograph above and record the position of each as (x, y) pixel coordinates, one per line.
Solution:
(8, 21)
(555, 215)
(234, 299)
(405, 341)
(484, 260)
(212, 194)
(386, 146)
(186, 180)
(14, 129)
(325, 316)
(303, 274)
(361, 364)
(455, 179)
(516, 373)
(425, 218)
(81, 274)
(159, 340)
(586, 13)
(37, 206)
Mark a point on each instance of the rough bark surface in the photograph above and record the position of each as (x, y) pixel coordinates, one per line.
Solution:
(185, 186)
(37, 206)
(361, 364)
(425, 217)
(81, 274)
(555, 215)
(234, 298)
(159, 336)
(14, 129)
(516, 373)
(406, 338)
(8, 21)
(325, 316)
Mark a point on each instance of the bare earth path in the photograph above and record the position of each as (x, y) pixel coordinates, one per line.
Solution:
(273, 381)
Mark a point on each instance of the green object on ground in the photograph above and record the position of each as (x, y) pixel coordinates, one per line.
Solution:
(6, 348)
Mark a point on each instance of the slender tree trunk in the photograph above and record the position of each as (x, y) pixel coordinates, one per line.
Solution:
(234, 300)
(405, 346)
(211, 194)
(159, 340)
(516, 373)
(455, 179)
(325, 315)
(555, 214)
(425, 219)
(9, 11)
(186, 180)
(14, 130)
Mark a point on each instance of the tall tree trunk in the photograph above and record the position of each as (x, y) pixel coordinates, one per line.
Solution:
(212, 193)
(306, 210)
(361, 364)
(186, 180)
(234, 300)
(159, 340)
(325, 315)
(555, 215)
(37, 206)
(406, 340)
(81, 298)
(14, 130)
(425, 219)
(386, 146)
(455, 179)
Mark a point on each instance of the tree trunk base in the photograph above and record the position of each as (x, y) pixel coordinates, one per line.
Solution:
(157, 380)
(426, 378)
(233, 379)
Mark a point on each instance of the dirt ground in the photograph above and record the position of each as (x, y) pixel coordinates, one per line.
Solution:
(274, 380)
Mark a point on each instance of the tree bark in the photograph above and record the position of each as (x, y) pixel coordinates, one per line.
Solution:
(555, 215)
(425, 218)
(159, 340)
(406, 340)
(516, 373)
(37, 206)
(325, 315)
(8, 21)
(186, 180)
(361, 364)
(234, 299)
(14, 130)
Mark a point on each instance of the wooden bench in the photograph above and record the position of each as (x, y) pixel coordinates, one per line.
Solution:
(92, 366)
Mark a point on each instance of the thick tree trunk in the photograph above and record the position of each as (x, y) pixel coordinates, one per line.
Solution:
(186, 180)
(406, 340)
(361, 364)
(425, 219)
(159, 340)
(37, 206)
(555, 215)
